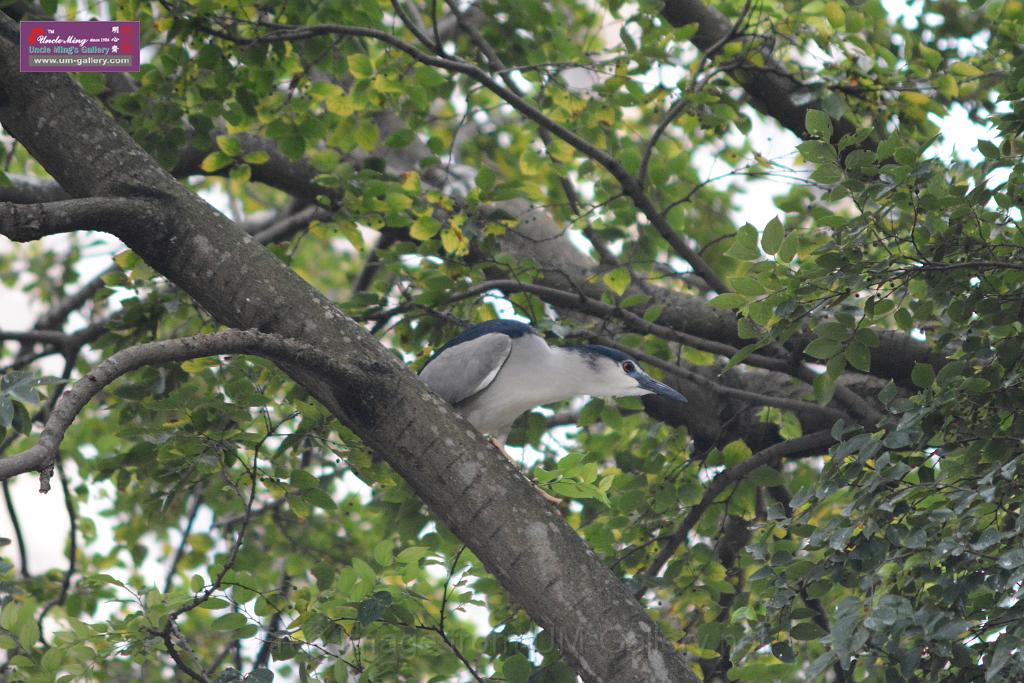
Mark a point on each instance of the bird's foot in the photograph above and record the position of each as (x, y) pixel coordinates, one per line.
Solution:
(554, 500)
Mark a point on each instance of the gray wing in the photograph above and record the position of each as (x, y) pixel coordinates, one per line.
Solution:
(467, 368)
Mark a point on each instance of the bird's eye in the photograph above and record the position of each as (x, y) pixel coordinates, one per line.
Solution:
(629, 367)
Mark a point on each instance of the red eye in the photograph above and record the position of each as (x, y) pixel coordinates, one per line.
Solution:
(628, 367)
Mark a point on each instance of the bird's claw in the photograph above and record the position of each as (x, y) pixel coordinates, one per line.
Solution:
(554, 500)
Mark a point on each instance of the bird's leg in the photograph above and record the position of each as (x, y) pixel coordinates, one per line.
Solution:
(554, 500)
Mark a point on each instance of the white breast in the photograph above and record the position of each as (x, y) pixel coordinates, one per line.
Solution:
(535, 374)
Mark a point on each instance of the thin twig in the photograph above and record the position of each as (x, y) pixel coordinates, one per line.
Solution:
(755, 398)
(180, 552)
(628, 183)
(19, 539)
(803, 446)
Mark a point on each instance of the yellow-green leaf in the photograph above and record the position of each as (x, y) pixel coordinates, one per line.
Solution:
(256, 158)
(424, 227)
(367, 135)
(946, 85)
(360, 66)
(965, 70)
(229, 145)
(215, 161)
(835, 14)
(917, 98)
(454, 242)
(198, 364)
(617, 280)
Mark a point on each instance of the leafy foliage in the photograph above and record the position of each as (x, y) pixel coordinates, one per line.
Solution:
(227, 526)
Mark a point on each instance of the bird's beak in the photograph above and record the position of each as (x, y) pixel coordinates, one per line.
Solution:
(656, 387)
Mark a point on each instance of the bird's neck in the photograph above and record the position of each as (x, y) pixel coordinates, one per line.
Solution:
(567, 372)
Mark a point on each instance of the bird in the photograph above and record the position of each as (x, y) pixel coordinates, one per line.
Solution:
(495, 371)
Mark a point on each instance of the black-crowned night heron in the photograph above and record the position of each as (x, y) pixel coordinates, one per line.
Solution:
(495, 371)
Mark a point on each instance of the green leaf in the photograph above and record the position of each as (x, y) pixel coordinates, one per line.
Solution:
(260, 675)
(788, 248)
(818, 124)
(28, 633)
(617, 280)
(746, 285)
(771, 238)
(817, 152)
(293, 145)
(947, 85)
(859, 356)
(384, 553)
(824, 388)
(823, 348)
(412, 554)
(832, 330)
(301, 479)
(922, 375)
(729, 300)
(215, 603)
(6, 412)
(807, 630)
(197, 583)
(965, 70)
(988, 150)
(742, 355)
(52, 659)
(229, 622)
(485, 179)
(744, 245)
(517, 669)
(371, 609)
(835, 14)
(827, 173)
(319, 498)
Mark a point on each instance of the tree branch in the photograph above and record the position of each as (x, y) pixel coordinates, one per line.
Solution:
(29, 222)
(43, 454)
(752, 397)
(775, 92)
(801, 447)
(12, 513)
(630, 187)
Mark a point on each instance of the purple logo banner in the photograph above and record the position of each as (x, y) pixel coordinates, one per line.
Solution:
(48, 46)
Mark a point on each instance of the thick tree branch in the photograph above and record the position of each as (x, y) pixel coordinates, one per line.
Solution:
(773, 90)
(30, 190)
(28, 222)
